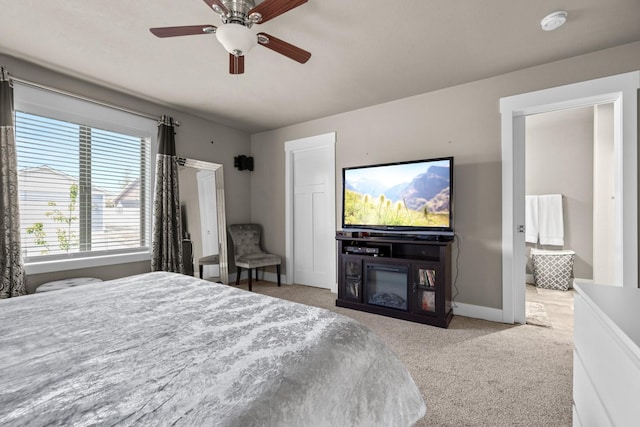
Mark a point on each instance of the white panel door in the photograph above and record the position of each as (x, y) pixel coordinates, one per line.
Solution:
(311, 257)
(311, 242)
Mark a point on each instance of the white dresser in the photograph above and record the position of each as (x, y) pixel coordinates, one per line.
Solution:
(606, 357)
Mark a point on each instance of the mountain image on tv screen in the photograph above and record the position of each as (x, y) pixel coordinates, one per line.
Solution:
(406, 195)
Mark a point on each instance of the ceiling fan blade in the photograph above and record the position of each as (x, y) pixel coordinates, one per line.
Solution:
(270, 9)
(188, 30)
(236, 64)
(284, 48)
(218, 3)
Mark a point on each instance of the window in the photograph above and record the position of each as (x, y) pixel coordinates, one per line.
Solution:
(84, 176)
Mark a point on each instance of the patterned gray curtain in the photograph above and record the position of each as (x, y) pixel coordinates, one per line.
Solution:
(11, 265)
(166, 251)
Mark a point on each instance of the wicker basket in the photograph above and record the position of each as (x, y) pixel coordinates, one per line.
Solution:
(552, 269)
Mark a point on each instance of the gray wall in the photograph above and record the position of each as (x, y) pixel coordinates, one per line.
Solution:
(463, 121)
(193, 140)
(559, 160)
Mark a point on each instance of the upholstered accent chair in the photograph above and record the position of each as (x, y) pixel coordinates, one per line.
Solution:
(207, 260)
(248, 251)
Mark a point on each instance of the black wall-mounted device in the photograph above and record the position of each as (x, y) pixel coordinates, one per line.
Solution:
(243, 162)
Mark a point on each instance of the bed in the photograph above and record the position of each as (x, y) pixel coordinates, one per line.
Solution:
(169, 349)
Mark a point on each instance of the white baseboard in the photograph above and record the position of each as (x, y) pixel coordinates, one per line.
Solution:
(477, 312)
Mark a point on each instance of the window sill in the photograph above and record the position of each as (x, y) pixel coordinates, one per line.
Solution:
(74, 264)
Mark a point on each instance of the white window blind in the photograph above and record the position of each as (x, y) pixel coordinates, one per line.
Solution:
(84, 180)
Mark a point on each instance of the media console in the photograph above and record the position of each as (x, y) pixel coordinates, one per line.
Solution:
(406, 278)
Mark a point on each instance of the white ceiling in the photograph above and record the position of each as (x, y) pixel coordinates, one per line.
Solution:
(364, 52)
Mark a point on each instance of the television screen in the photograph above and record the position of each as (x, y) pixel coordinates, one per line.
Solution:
(406, 197)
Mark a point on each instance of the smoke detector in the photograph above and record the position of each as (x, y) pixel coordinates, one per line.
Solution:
(554, 20)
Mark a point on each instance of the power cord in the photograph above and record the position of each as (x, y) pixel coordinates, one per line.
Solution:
(458, 240)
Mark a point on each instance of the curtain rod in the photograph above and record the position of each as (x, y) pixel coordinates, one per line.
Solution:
(84, 98)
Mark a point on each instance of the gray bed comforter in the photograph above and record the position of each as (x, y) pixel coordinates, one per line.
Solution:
(165, 349)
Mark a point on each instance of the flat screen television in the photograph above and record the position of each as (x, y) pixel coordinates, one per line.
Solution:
(413, 197)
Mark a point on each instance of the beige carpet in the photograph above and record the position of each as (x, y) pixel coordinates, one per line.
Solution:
(475, 373)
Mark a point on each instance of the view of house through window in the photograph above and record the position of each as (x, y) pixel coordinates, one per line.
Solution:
(82, 189)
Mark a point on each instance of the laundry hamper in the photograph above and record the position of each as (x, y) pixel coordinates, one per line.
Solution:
(552, 269)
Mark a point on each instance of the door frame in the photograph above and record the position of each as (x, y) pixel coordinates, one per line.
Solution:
(328, 141)
(622, 91)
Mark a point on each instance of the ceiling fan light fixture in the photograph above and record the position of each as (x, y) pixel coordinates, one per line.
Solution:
(236, 39)
(554, 20)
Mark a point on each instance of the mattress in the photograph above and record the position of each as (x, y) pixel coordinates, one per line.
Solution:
(169, 349)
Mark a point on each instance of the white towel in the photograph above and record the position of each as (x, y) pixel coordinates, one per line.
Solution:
(550, 220)
(531, 219)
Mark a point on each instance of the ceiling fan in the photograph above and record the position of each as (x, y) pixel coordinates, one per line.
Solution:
(238, 16)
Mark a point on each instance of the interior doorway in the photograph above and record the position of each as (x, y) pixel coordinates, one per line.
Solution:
(571, 153)
(621, 90)
(569, 157)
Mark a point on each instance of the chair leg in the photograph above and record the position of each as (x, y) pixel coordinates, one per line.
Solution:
(278, 273)
(238, 270)
(250, 289)
(201, 268)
